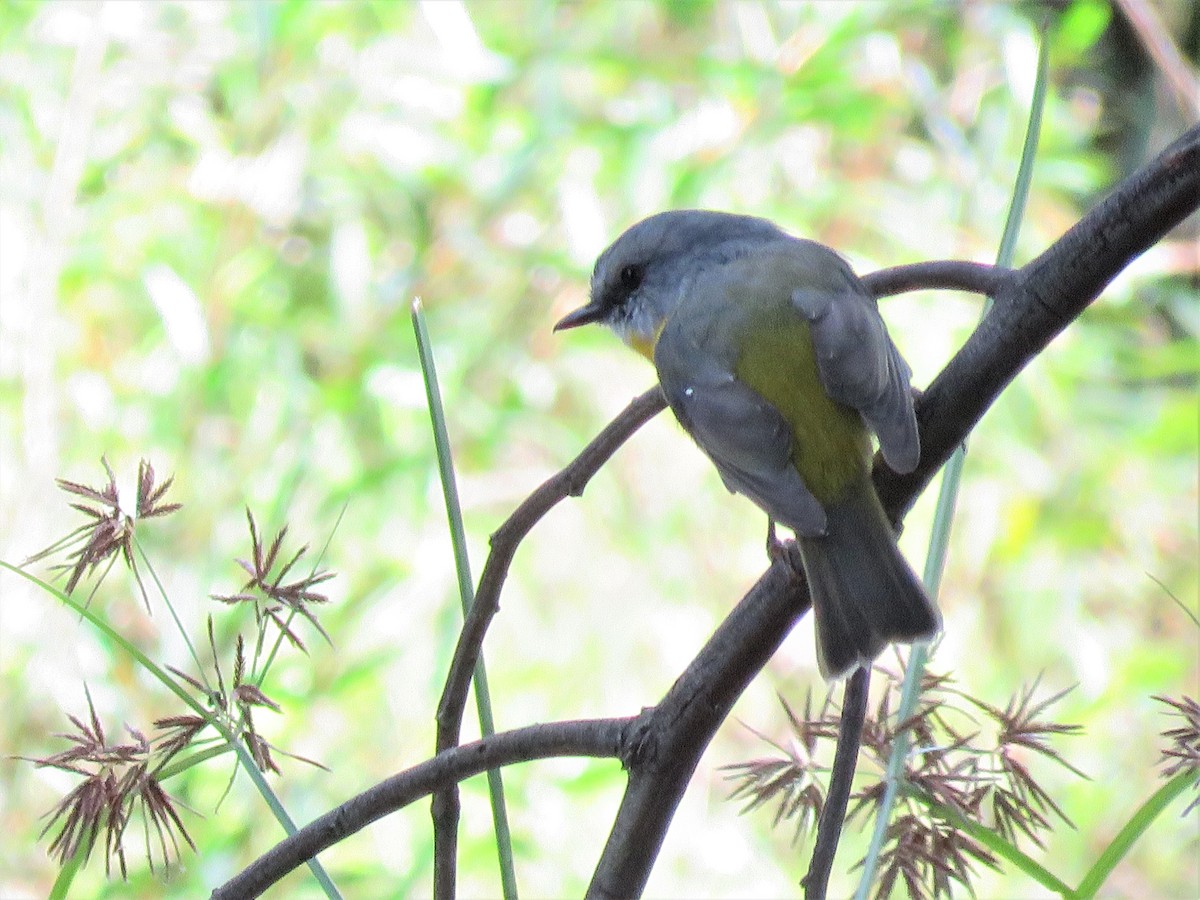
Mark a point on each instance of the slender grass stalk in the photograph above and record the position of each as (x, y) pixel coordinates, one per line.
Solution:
(993, 841)
(935, 560)
(247, 761)
(162, 592)
(61, 889)
(178, 766)
(1094, 880)
(116, 637)
(1137, 825)
(466, 590)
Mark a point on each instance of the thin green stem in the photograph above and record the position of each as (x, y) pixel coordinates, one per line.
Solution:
(116, 637)
(162, 591)
(939, 541)
(281, 814)
(466, 590)
(178, 766)
(1128, 835)
(61, 889)
(993, 841)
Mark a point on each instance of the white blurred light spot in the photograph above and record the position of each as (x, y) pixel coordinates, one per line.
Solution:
(402, 388)
(758, 37)
(712, 124)
(350, 264)
(332, 451)
(451, 23)
(580, 206)
(537, 385)
(402, 147)
(335, 51)
(914, 162)
(879, 59)
(520, 229)
(1020, 64)
(93, 399)
(801, 153)
(428, 96)
(16, 241)
(191, 116)
(67, 23)
(1092, 664)
(123, 20)
(181, 313)
(158, 372)
(269, 183)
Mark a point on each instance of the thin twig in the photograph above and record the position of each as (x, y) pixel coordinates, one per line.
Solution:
(1156, 39)
(833, 814)
(569, 482)
(598, 738)
(942, 274)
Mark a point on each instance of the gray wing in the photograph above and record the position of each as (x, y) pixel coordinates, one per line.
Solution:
(861, 367)
(746, 438)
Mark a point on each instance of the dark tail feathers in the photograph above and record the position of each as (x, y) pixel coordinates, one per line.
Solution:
(865, 596)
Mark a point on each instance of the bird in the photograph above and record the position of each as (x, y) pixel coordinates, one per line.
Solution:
(774, 358)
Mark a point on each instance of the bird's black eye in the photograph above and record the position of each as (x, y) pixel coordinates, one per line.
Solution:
(631, 277)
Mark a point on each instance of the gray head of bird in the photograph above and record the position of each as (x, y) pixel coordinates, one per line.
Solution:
(640, 277)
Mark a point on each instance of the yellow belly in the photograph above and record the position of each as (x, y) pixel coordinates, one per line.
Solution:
(832, 448)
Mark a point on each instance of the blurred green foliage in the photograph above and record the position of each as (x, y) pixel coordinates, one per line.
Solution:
(214, 216)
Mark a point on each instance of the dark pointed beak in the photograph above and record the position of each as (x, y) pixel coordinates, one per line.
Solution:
(593, 312)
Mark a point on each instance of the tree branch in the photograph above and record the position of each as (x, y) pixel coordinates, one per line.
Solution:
(946, 274)
(673, 735)
(569, 482)
(590, 738)
(833, 814)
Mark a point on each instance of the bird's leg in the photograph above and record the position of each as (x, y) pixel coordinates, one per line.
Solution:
(787, 551)
(774, 544)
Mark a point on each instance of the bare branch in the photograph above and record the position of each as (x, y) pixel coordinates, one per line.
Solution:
(672, 736)
(949, 274)
(569, 482)
(597, 738)
(854, 712)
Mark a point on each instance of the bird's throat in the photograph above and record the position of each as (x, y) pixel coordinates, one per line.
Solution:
(643, 343)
